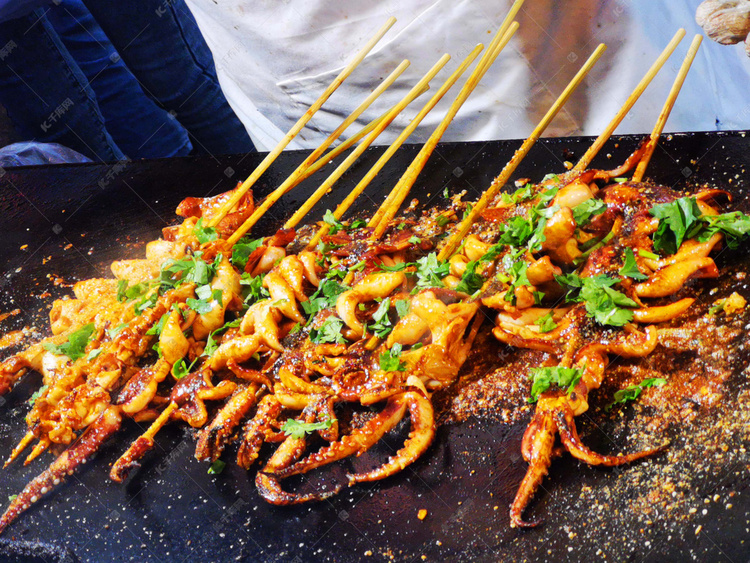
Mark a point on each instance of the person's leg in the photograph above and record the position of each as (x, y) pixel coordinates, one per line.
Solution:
(140, 128)
(45, 93)
(162, 45)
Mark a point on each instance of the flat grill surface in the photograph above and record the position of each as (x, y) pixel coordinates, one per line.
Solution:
(66, 223)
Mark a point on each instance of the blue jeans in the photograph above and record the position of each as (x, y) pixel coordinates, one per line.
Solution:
(63, 80)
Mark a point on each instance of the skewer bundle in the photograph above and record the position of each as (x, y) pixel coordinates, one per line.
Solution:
(287, 343)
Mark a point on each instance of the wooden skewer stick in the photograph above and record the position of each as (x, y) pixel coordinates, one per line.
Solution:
(359, 188)
(299, 173)
(389, 209)
(126, 459)
(667, 109)
(27, 439)
(645, 81)
(500, 181)
(344, 166)
(489, 56)
(366, 130)
(297, 127)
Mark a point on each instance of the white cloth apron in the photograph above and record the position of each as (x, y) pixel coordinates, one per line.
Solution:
(275, 57)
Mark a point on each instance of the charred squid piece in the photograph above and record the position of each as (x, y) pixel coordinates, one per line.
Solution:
(258, 430)
(372, 286)
(143, 444)
(213, 438)
(358, 442)
(420, 437)
(569, 435)
(267, 481)
(192, 391)
(250, 374)
(11, 370)
(72, 458)
(555, 414)
(670, 279)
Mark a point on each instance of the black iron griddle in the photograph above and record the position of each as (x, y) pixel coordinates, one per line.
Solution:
(68, 222)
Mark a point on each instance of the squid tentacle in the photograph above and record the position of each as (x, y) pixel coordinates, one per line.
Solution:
(70, 460)
(420, 437)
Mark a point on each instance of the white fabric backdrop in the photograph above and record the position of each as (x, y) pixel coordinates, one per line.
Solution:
(274, 57)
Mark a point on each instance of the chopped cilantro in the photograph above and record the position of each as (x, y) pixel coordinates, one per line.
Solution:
(189, 269)
(431, 271)
(515, 269)
(254, 288)
(678, 220)
(521, 194)
(546, 323)
(125, 293)
(334, 224)
(326, 247)
(204, 234)
(414, 240)
(180, 369)
(216, 467)
(470, 280)
(324, 297)
(382, 325)
(122, 285)
(297, 429)
(242, 250)
(735, 226)
(632, 392)
(158, 327)
(390, 360)
(543, 378)
(38, 393)
(112, 332)
(630, 267)
(604, 304)
(583, 212)
(206, 299)
(76, 344)
(402, 307)
(328, 332)
(401, 266)
(93, 354)
(682, 219)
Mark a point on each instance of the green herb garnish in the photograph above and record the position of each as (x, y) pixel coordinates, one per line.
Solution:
(431, 271)
(297, 429)
(630, 267)
(242, 250)
(583, 212)
(543, 378)
(546, 323)
(38, 393)
(604, 304)
(75, 346)
(328, 332)
(632, 392)
(216, 467)
(390, 360)
(204, 234)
